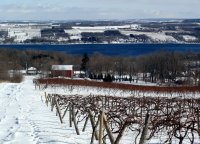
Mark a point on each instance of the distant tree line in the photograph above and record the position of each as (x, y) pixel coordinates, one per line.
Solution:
(108, 35)
(159, 67)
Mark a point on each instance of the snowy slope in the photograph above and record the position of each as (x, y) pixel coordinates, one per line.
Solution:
(24, 119)
(161, 36)
(189, 38)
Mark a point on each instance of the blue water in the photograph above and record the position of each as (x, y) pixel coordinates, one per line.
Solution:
(109, 49)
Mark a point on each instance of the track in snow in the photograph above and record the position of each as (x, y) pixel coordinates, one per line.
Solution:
(25, 119)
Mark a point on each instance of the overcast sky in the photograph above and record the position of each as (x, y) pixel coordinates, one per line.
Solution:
(97, 9)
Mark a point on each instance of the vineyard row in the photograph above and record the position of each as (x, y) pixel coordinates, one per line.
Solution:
(176, 118)
(54, 81)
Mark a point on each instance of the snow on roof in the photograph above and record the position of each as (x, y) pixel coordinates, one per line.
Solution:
(32, 69)
(62, 67)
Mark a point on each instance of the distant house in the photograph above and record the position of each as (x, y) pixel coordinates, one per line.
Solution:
(62, 70)
(32, 71)
(79, 74)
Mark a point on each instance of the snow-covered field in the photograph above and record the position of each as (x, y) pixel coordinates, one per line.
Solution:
(153, 35)
(133, 26)
(189, 38)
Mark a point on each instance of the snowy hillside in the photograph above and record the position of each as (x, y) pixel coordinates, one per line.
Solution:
(24, 119)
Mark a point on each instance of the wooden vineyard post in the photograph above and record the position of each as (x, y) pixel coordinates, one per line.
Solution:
(70, 115)
(145, 129)
(46, 100)
(101, 127)
(108, 102)
(85, 124)
(52, 103)
(65, 111)
(120, 133)
(94, 130)
(49, 99)
(198, 121)
(109, 132)
(74, 120)
(93, 124)
(58, 110)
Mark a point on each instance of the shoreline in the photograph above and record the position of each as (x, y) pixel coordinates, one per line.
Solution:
(62, 44)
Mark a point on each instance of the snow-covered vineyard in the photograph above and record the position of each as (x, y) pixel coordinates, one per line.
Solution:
(51, 113)
(172, 111)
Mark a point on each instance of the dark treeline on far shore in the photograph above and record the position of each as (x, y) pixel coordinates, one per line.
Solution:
(161, 67)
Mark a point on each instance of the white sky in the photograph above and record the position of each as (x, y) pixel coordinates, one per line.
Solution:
(97, 9)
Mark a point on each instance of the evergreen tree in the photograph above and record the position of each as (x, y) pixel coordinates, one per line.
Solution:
(108, 78)
(85, 63)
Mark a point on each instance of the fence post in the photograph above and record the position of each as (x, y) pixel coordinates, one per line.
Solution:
(198, 121)
(101, 127)
(85, 124)
(94, 130)
(58, 110)
(93, 124)
(74, 120)
(145, 129)
(65, 111)
(120, 133)
(46, 100)
(52, 103)
(70, 115)
(109, 132)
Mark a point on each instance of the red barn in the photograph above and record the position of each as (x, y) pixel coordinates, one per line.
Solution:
(62, 70)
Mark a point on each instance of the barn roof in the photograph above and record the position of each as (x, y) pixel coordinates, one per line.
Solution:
(62, 67)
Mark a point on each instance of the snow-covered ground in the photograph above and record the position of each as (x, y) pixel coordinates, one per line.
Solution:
(24, 119)
(189, 38)
(161, 36)
(133, 26)
(21, 34)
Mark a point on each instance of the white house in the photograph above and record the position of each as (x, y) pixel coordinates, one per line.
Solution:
(32, 71)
